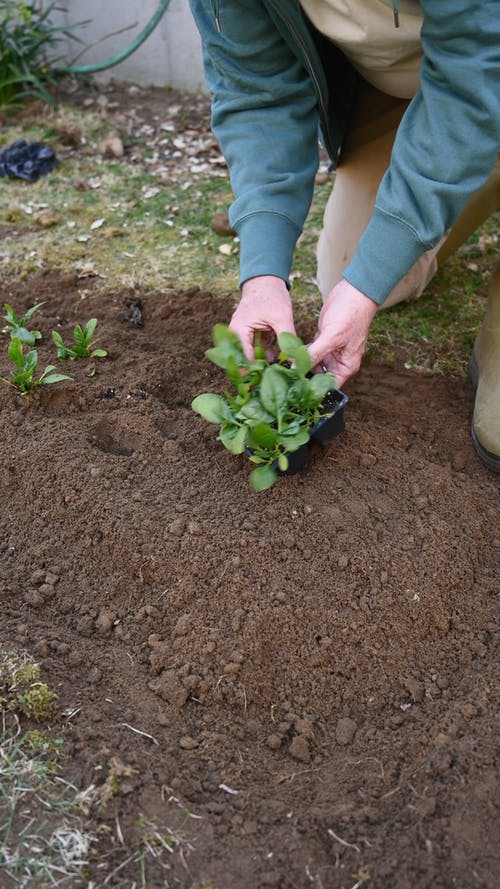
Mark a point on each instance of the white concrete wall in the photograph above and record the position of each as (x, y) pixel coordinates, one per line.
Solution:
(171, 55)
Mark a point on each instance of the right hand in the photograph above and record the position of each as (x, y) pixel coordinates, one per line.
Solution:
(265, 307)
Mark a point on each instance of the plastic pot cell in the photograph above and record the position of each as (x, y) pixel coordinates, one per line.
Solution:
(322, 432)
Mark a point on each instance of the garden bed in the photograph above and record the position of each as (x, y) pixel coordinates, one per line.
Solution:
(297, 687)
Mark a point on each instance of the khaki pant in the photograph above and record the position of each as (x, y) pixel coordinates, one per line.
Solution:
(365, 159)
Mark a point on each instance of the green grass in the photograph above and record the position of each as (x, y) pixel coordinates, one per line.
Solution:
(155, 236)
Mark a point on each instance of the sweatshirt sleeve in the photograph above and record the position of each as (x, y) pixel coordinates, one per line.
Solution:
(445, 147)
(264, 114)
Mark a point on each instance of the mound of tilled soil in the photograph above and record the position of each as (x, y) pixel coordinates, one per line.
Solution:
(313, 666)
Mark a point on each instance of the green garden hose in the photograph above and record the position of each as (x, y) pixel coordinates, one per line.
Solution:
(125, 53)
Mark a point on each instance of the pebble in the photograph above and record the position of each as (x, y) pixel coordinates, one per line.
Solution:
(343, 562)
(104, 622)
(299, 748)
(221, 226)
(416, 690)
(188, 743)
(177, 527)
(37, 577)
(345, 731)
(470, 710)
(273, 742)
(182, 626)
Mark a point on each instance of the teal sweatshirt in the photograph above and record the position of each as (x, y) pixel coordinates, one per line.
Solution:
(274, 80)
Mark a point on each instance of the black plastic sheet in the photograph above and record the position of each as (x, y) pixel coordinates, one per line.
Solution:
(27, 160)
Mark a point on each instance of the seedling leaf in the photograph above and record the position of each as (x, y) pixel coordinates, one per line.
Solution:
(212, 408)
(262, 478)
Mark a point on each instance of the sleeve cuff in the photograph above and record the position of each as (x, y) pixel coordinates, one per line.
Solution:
(387, 249)
(267, 244)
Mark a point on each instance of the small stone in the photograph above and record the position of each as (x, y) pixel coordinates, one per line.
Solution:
(47, 219)
(441, 739)
(46, 589)
(343, 562)
(345, 731)
(442, 682)
(416, 690)
(182, 626)
(273, 742)
(221, 226)
(308, 509)
(111, 146)
(321, 178)
(37, 577)
(458, 461)
(177, 527)
(299, 748)
(188, 743)
(469, 711)
(105, 622)
(367, 460)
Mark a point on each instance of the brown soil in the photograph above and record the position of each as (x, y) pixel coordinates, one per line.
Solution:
(314, 664)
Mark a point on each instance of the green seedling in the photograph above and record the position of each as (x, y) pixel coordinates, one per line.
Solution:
(274, 406)
(17, 327)
(23, 378)
(83, 343)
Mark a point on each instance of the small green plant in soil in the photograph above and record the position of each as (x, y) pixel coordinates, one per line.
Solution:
(82, 345)
(18, 327)
(274, 406)
(23, 377)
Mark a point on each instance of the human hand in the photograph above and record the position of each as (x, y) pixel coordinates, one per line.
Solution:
(265, 307)
(343, 328)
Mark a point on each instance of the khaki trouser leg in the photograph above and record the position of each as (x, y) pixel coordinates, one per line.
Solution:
(485, 373)
(350, 206)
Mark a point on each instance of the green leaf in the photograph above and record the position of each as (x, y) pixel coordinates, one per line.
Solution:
(274, 390)
(303, 361)
(254, 411)
(294, 442)
(233, 438)
(283, 462)
(29, 314)
(53, 378)
(319, 385)
(289, 343)
(226, 345)
(98, 353)
(263, 477)
(30, 361)
(57, 339)
(79, 336)
(15, 352)
(28, 337)
(262, 436)
(233, 371)
(10, 315)
(89, 329)
(212, 408)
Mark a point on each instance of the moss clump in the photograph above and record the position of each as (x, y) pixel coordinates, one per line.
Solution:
(21, 688)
